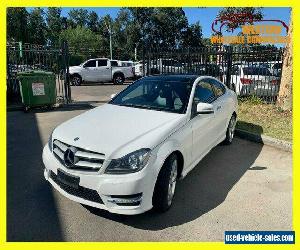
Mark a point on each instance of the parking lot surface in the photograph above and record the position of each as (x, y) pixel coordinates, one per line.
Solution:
(96, 93)
(244, 186)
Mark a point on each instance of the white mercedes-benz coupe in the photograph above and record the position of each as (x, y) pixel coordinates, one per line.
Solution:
(127, 155)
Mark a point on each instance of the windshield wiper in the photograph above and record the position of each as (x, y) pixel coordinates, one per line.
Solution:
(136, 106)
(148, 107)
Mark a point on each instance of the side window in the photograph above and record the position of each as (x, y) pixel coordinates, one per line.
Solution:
(102, 63)
(218, 88)
(204, 92)
(114, 63)
(90, 64)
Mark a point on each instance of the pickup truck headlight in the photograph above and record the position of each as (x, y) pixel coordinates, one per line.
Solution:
(129, 163)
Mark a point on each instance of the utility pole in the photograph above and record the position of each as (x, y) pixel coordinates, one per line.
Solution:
(110, 38)
(135, 53)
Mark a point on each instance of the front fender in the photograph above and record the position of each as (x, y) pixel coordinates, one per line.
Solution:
(163, 151)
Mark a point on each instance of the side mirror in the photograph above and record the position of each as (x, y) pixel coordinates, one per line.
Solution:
(205, 108)
(112, 96)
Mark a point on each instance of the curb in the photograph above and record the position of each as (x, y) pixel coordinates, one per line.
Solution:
(264, 139)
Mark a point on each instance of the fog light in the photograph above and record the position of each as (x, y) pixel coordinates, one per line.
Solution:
(126, 200)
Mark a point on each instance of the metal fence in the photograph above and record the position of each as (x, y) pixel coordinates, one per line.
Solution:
(28, 57)
(248, 70)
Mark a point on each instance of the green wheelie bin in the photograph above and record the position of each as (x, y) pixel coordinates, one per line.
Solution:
(38, 89)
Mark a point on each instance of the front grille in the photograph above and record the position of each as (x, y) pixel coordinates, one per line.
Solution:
(81, 192)
(83, 159)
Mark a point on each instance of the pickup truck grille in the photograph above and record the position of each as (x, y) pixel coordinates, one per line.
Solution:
(77, 158)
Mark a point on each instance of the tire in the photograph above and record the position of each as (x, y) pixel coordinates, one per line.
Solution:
(165, 185)
(118, 79)
(230, 130)
(76, 80)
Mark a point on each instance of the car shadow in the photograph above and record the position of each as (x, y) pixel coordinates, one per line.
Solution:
(205, 188)
(32, 213)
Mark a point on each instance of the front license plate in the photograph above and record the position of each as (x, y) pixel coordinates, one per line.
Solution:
(67, 179)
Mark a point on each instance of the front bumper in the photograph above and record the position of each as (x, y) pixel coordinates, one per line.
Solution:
(110, 189)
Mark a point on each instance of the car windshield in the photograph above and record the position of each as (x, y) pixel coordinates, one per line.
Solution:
(156, 94)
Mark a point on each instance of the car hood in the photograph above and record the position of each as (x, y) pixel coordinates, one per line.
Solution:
(74, 69)
(117, 130)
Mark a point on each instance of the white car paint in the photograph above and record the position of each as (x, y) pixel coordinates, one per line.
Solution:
(101, 73)
(100, 130)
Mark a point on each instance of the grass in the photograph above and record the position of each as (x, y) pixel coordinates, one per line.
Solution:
(258, 117)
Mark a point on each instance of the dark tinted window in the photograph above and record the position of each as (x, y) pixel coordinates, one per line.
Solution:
(102, 63)
(91, 63)
(204, 92)
(256, 71)
(218, 87)
(114, 63)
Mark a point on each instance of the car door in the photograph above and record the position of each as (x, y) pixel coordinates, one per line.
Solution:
(203, 128)
(103, 70)
(222, 108)
(89, 73)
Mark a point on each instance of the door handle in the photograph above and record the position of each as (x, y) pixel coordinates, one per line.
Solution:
(219, 107)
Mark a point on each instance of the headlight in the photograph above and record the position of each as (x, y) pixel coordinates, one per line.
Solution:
(50, 141)
(130, 163)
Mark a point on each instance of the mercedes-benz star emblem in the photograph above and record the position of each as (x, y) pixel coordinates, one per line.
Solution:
(69, 157)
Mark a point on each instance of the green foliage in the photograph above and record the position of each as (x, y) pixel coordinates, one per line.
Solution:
(132, 29)
(252, 99)
(78, 17)
(80, 38)
(37, 28)
(17, 28)
(54, 23)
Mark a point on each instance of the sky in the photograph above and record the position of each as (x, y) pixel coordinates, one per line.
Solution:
(204, 15)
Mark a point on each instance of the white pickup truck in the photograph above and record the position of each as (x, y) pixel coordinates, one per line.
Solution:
(100, 70)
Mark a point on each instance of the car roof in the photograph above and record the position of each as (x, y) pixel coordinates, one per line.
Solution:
(168, 77)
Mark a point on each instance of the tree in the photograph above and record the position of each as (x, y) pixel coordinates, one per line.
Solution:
(17, 28)
(82, 39)
(192, 37)
(93, 21)
(169, 26)
(285, 97)
(77, 17)
(37, 28)
(54, 23)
